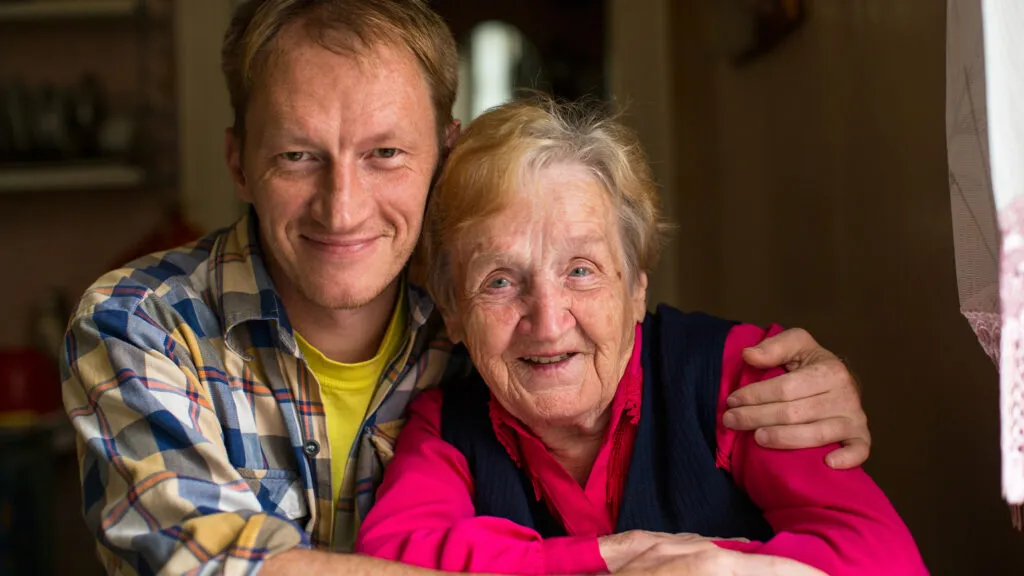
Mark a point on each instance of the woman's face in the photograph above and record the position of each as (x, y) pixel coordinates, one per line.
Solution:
(544, 302)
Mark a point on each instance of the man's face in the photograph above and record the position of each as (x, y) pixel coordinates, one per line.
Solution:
(338, 158)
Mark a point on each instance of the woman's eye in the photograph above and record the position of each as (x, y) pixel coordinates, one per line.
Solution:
(385, 153)
(580, 271)
(499, 283)
(295, 156)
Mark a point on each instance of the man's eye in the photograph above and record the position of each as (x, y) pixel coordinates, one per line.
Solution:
(499, 283)
(385, 153)
(295, 156)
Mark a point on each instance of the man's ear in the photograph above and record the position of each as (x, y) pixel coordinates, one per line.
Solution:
(639, 299)
(451, 135)
(233, 158)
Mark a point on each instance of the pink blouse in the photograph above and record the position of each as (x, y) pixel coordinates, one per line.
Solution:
(837, 521)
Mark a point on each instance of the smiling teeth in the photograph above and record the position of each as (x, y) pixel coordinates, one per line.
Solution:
(546, 359)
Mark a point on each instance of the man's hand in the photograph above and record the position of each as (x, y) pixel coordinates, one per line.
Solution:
(624, 548)
(654, 548)
(816, 403)
(717, 561)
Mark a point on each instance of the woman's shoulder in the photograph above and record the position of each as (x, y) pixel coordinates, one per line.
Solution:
(426, 408)
(667, 318)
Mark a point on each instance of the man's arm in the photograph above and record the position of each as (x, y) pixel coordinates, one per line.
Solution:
(304, 562)
(159, 492)
(816, 403)
(836, 520)
(718, 562)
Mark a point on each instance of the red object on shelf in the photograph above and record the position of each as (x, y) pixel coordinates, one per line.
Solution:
(29, 386)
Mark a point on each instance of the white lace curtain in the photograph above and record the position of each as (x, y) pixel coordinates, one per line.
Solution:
(985, 142)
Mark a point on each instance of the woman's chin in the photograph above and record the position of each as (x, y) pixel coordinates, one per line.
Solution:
(561, 407)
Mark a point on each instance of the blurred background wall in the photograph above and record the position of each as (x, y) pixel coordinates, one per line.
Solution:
(813, 191)
(808, 182)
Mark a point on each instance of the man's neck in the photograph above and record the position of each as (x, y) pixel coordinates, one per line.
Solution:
(348, 336)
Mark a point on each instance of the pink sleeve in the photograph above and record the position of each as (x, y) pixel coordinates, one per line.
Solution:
(838, 521)
(425, 516)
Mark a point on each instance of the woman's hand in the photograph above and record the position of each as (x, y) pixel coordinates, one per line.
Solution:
(715, 561)
(639, 548)
(816, 403)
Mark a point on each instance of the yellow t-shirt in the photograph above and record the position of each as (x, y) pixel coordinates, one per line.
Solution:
(347, 389)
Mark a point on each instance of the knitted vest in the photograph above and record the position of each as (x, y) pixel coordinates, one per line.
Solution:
(672, 484)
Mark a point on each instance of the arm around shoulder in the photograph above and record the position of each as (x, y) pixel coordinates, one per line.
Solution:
(839, 521)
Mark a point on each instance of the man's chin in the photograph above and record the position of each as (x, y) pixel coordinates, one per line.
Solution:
(342, 298)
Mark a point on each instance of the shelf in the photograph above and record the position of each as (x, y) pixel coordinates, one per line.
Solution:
(29, 10)
(56, 177)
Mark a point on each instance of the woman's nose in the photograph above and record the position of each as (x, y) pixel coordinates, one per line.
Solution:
(549, 315)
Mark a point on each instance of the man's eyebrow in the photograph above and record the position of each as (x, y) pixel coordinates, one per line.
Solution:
(295, 137)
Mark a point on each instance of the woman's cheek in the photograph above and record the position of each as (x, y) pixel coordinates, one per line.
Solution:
(488, 329)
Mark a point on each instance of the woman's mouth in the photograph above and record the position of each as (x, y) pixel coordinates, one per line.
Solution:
(544, 360)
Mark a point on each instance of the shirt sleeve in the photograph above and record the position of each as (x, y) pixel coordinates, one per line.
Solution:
(838, 521)
(425, 515)
(159, 492)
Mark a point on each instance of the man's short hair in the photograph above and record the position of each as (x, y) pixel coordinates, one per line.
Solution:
(342, 26)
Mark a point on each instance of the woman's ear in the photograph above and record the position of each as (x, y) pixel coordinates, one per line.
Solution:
(639, 299)
(451, 135)
(453, 325)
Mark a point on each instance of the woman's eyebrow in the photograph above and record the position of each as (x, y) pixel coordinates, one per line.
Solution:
(489, 257)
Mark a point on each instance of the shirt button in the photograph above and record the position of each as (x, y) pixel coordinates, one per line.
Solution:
(311, 448)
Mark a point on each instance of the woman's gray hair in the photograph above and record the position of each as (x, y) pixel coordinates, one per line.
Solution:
(482, 172)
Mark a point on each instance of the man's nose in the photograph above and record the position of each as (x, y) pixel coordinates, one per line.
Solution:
(343, 202)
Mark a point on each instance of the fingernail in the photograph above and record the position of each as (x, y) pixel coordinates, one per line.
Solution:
(830, 461)
(761, 436)
(729, 419)
(733, 402)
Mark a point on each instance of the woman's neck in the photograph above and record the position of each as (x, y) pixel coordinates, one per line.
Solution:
(575, 447)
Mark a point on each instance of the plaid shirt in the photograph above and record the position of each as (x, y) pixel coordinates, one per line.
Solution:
(202, 438)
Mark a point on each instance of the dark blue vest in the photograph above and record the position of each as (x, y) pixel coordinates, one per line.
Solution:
(672, 485)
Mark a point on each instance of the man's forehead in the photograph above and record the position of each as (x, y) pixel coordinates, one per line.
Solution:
(300, 40)
(384, 86)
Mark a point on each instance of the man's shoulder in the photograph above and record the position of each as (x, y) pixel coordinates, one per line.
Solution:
(171, 279)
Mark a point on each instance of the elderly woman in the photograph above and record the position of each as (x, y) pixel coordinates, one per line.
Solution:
(590, 437)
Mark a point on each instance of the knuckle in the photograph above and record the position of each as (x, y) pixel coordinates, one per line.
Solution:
(792, 413)
(860, 421)
(662, 549)
(631, 538)
(823, 434)
(844, 376)
(717, 559)
(801, 334)
(741, 417)
(789, 389)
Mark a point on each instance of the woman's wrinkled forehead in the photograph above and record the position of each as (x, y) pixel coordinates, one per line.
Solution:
(566, 202)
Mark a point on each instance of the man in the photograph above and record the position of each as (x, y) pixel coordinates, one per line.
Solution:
(236, 398)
